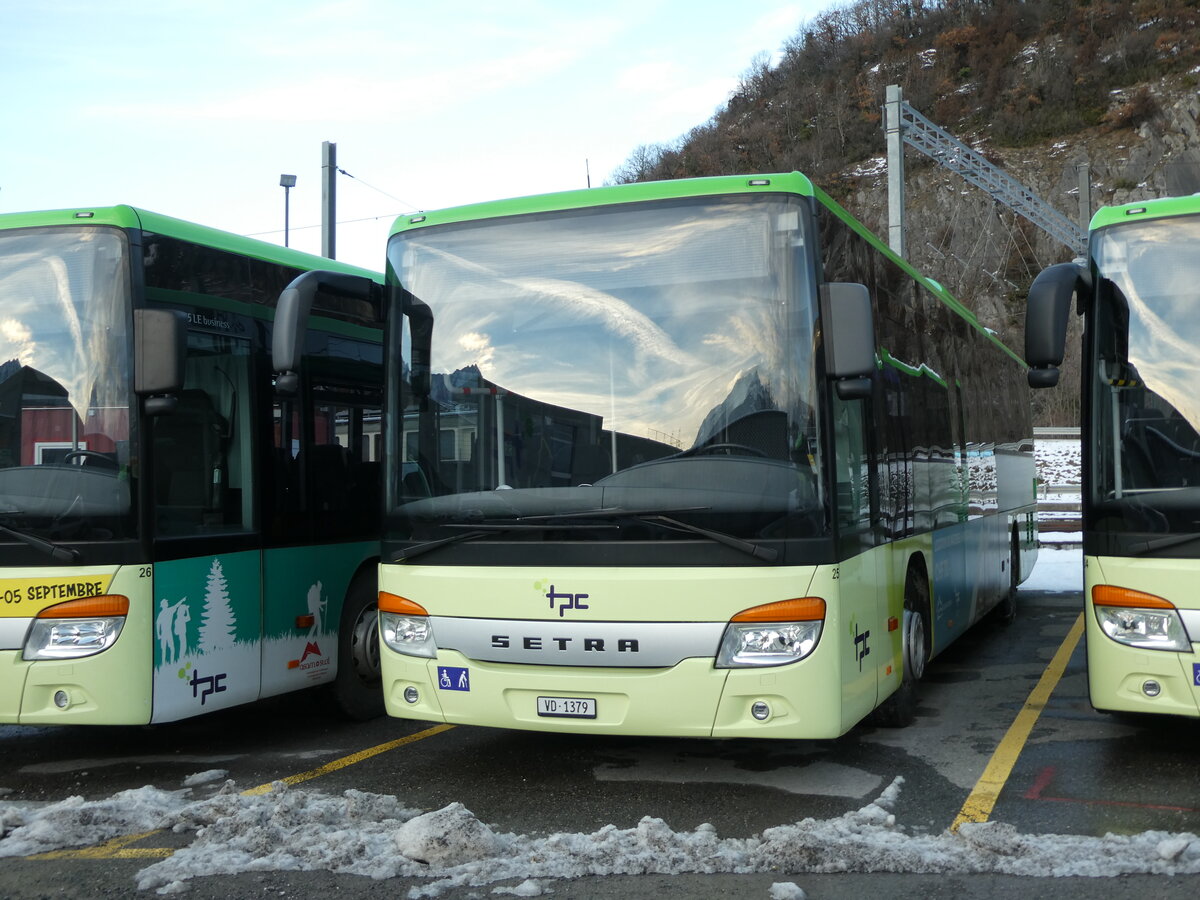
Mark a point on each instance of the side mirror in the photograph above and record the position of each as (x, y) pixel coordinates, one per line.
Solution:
(849, 338)
(1047, 311)
(160, 350)
(291, 319)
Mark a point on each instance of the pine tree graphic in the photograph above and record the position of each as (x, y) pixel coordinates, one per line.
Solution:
(217, 621)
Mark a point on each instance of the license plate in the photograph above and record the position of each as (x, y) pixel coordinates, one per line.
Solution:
(567, 707)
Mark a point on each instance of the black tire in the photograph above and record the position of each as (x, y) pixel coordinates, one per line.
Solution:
(900, 709)
(358, 685)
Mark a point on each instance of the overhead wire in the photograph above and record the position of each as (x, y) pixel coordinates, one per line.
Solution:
(411, 207)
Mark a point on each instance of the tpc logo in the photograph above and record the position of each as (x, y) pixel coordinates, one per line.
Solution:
(563, 601)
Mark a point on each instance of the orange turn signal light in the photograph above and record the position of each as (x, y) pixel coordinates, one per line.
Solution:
(88, 608)
(1112, 595)
(394, 603)
(801, 609)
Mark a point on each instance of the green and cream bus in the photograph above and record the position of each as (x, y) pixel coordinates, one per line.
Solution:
(698, 457)
(1140, 432)
(177, 535)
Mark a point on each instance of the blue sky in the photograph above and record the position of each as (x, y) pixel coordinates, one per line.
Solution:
(193, 108)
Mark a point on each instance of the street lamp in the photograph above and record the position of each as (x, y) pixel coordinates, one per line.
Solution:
(287, 182)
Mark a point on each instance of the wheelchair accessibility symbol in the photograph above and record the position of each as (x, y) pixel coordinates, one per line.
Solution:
(454, 678)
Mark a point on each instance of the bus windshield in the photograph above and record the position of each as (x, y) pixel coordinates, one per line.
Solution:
(645, 369)
(64, 385)
(1146, 404)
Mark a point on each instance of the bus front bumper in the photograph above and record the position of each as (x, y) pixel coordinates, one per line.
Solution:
(70, 692)
(1129, 679)
(690, 699)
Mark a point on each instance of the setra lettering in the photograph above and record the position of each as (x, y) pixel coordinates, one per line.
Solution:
(538, 643)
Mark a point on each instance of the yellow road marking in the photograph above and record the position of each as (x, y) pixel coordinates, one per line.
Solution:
(348, 760)
(118, 848)
(978, 806)
(114, 849)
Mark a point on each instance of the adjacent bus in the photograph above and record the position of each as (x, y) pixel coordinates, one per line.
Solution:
(1137, 293)
(691, 458)
(178, 536)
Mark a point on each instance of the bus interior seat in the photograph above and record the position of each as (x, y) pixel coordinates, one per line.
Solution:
(190, 474)
(413, 484)
(1140, 462)
(1169, 444)
(287, 494)
(329, 474)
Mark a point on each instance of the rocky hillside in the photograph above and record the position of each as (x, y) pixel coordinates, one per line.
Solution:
(1038, 88)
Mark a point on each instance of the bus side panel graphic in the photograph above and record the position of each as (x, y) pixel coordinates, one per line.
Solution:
(304, 589)
(207, 628)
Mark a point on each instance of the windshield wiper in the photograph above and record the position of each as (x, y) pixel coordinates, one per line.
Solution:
(478, 531)
(768, 554)
(1142, 548)
(563, 521)
(54, 551)
(660, 516)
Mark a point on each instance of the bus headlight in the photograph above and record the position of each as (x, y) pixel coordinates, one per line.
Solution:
(404, 626)
(773, 634)
(77, 628)
(1138, 619)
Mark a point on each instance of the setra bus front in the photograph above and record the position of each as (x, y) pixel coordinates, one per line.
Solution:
(613, 508)
(1141, 451)
(75, 614)
(1142, 525)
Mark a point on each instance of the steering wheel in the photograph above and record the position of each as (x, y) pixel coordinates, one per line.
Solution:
(84, 455)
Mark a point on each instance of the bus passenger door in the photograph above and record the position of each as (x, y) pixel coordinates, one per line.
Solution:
(325, 527)
(208, 570)
(860, 617)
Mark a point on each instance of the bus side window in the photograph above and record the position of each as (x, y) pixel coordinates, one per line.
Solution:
(201, 453)
(190, 473)
(852, 473)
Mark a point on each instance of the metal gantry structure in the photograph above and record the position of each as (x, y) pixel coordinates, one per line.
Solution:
(904, 125)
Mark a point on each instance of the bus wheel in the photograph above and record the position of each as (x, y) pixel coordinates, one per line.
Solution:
(1005, 611)
(358, 686)
(899, 710)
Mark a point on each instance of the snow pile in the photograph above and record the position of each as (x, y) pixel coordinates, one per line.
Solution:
(376, 836)
(75, 822)
(285, 829)
(450, 836)
(206, 777)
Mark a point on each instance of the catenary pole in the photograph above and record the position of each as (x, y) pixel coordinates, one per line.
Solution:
(328, 198)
